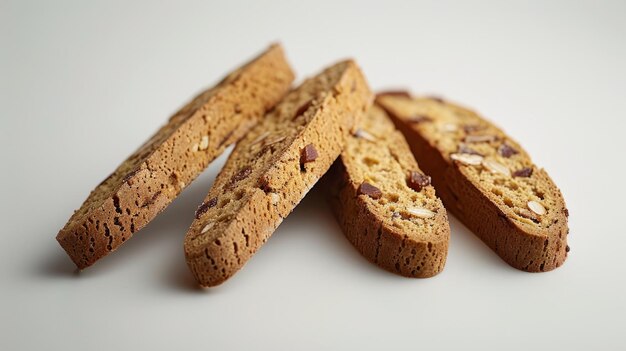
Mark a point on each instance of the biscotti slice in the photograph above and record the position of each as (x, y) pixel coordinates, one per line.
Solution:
(271, 170)
(385, 204)
(145, 183)
(486, 179)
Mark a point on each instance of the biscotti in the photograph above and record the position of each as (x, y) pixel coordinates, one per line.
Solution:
(272, 169)
(486, 179)
(385, 204)
(145, 183)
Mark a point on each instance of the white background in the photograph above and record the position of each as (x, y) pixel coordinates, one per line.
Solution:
(84, 83)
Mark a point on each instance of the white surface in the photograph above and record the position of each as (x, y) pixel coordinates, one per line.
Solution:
(84, 83)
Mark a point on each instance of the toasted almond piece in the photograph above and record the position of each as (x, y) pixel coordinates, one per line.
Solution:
(496, 167)
(420, 212)
(194, 148)
(207, 227)
(467, 159)
(448, 128)
(274, 198)
(536, 207)
(204, 143)
(360, 133)
(479, 138)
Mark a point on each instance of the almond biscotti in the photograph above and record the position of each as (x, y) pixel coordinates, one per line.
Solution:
(486, 180)
(271, 170)
(385, 204)
(145, 183)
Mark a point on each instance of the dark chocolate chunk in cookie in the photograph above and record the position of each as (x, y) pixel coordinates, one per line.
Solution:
(368, 189)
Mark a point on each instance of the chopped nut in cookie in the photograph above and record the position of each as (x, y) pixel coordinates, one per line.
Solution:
(274, 198)
(206, 228)
(420, 212)
(536, 207)
(360, 133)
(496, 167)
(204, 143)
(417, 181)
(480, 138)
(467, 159)
(370, 190)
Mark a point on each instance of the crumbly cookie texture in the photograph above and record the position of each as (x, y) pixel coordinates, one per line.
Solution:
(384, 202)
(271, 170)
(486, 179)
(145, 183)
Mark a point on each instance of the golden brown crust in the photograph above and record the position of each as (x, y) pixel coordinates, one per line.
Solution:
(145, 183)
(271, 170)
(383, 228)
(483, 190)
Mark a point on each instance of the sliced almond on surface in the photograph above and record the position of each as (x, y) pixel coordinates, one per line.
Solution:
(536, 207)
(467, 159)
(496, 167)
(480, 138)
(206, 228)
(204, 143)
(420, 212)
(360, 133)
(274, 198)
